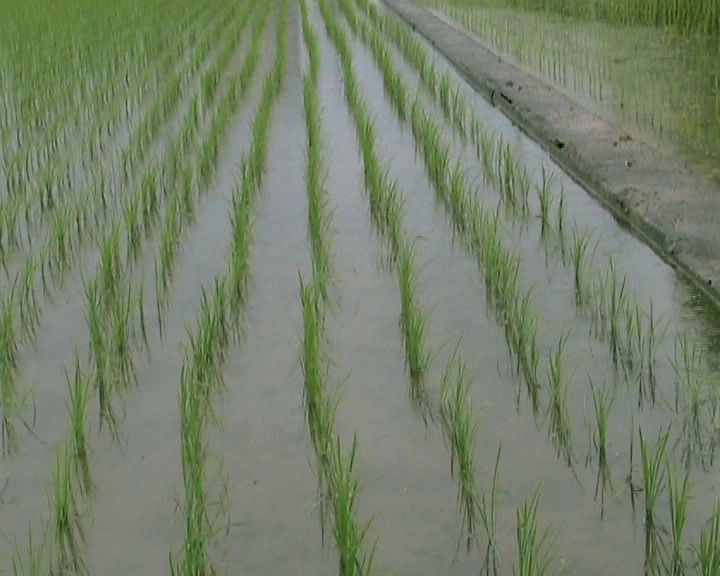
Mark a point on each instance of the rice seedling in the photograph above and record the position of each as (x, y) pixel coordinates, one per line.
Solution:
(78, 410)
(318, 217)
(654, 481)
(313, 321)
(487, 508)
(616, 304)
(8, 369)
(69, 532)
(678, 496)
(99, 353)
(707, 552)
(412, 323)
(460, 426)
(533, 545)
(603, 400)
(24, 292)
(558, 410)
(578, 256)
(692, 393)
(242, 238)
(36, 562)
(350, 538)
(522, 329)
(544, 193)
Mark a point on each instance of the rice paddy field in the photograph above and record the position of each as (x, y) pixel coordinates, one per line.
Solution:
(280, 294)
(650, 66)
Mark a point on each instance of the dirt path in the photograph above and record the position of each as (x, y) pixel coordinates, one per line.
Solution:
(675, 212)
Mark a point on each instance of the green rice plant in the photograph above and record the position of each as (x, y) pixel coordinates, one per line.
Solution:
(194, 558)
(36, 563)
(99, 352)
(24, 292)
(616, 305)
(412, 324)
(580, 261)
(544, 193)
(460, 425)
(79, 390)
(558, 410)
(652, 336)
(313, 322)
(488, 514)
(241, 217)
(68, 527)
(523, 327)
(603, 400)
(8, 370)
(349, 537)
(318, 217)
(679, 496)
(707, 552)
(120, 338)
(654, 481)
(533, 546)
(133, 226)
(691, 392)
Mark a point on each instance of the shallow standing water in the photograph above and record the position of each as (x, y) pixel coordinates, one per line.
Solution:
(407, 493)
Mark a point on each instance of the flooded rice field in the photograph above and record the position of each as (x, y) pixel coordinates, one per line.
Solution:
(282, 295)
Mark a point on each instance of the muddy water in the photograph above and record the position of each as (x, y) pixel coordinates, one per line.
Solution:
(662, 85)
(261, 443)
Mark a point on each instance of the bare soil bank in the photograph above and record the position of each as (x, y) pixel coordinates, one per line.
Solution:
(675, 212)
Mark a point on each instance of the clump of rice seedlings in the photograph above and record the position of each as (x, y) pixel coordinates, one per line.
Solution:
(616, 304)
(558, 409)
(68, 527)
(349, 537)
(654, 481)
(8, 370)
(707, 553)
(460, 426)
(99, 352)
(133, 226)
(24, 292)
(561, 216)
(241, 216)
(544, 194)
(313, 321)
(533, 545)
(690, 391)
(678, 496)
(36, 562)
(487, 508)
(318, 216)
(578, 256)
(603, 399)
(523, 326)
(412, 323)
(79, 390)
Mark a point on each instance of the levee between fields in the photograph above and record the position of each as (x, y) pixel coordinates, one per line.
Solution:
(650, 193)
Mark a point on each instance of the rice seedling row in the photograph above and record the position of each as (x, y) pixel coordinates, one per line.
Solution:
(201, 379)
(386, 209)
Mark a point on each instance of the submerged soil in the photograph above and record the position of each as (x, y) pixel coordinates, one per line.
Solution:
(259, 444)
(671, 208)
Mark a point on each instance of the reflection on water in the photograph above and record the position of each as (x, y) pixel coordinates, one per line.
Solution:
(659, 83)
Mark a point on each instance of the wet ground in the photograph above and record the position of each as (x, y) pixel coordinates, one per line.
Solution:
(260, 440)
